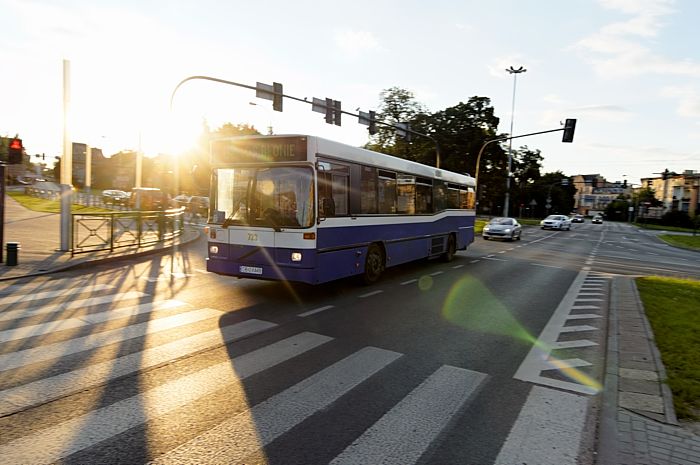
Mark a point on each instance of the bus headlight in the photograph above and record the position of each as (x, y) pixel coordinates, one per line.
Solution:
(296, 256)
(213, 249)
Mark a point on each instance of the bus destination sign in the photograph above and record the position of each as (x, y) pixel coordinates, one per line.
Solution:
(273, 150)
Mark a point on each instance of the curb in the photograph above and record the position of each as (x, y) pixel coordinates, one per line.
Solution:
(607, 435)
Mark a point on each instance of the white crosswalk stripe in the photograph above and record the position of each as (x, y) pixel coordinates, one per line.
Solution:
(94, 341)
(70, 305)
(235, 439)
(396, 437)
(61, 440)
(64, 384)
(434, 402)
(19, 296)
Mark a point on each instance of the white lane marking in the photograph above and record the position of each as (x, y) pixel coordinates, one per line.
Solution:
(436, 273)
(495, 259)
(58, 325)
(473, 261)
(588, 300)
(245, 433)
(535, 361)
(70, 305)
(94, 341)
(546, 266)
(370, 294)
(41, 295)
(44, 390)
(42, 286)
(316, 310)
(556, 364)
(585, 307)
(59, 441)
(397, 438)
(574, 344)
(410, 281)
(456, 267)
(548, 430)
(583, 316)
(502, 251)
(575, 329)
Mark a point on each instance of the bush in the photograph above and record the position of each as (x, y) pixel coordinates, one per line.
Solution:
(677, 218)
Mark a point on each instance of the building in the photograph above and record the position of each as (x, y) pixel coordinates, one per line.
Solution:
(676, 191)
(594, 193)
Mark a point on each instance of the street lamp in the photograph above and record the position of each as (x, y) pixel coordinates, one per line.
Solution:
(515, 73)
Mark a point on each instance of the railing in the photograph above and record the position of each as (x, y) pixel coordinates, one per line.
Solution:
(107, 231)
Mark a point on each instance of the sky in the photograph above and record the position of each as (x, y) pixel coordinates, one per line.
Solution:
(627, 70)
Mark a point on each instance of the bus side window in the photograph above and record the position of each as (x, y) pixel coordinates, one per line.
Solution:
(327, 207)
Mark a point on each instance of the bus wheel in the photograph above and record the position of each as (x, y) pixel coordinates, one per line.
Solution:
(451, 249)
(374, 264)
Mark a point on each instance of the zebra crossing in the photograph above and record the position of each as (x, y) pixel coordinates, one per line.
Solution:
(37, 333)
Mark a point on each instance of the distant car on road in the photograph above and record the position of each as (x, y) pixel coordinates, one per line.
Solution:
(199, 205)
(578, 219)
(598, 219)
(115, 197)
(559, 222)
(502, 228)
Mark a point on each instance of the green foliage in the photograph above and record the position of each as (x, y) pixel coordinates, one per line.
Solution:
(617, 210)
(672, 308)
(677, 218)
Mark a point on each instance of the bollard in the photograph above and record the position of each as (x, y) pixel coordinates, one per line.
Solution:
(12, 252)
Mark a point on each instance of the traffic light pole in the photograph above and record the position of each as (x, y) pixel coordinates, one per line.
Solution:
(331, 107)
(503, 139)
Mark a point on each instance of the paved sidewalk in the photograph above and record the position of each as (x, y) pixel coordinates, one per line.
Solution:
(638, 424)
(39, 237)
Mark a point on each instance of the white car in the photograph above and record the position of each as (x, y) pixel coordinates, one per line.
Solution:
(502, 228)
(559, 222)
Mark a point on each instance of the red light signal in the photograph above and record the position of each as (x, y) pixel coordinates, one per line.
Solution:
(14, 152)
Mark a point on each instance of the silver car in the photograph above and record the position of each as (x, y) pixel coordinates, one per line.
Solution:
(502, 228)
(559, 222)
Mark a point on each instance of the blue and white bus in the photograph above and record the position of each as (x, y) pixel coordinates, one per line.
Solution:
(306, 209)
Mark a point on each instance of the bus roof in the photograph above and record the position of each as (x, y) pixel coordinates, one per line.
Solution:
(340, 151)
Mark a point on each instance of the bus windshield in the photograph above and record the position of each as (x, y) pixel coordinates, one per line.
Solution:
(275, 197)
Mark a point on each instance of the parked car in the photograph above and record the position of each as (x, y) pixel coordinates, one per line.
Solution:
(115, 197)
(598, 219)
(578, 219)
(502, 228)
(148, 198)
(199, 205)
(182, 200)
(559, 222)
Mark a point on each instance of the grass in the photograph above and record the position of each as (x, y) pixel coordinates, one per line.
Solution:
(50, 206)
(671, 305)
(659, 227)
(686, 242)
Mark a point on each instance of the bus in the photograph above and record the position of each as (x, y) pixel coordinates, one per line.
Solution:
(305, 209)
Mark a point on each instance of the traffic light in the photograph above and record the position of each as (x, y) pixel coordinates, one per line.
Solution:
(14, 152)
(277, 96)
(569, 127)
(372, 123)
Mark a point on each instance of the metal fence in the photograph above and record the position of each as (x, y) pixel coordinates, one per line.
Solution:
(107, 231)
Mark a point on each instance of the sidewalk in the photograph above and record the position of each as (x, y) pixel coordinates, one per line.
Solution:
(638, 424)
(39, 237)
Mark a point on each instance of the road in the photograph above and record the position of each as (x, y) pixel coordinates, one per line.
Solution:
(496, 357)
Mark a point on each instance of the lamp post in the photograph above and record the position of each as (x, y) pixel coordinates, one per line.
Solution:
(515, 73)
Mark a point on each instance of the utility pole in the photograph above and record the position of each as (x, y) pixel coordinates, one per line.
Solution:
(515, 73)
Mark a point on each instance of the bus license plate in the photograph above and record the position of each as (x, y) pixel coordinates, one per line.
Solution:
(250, 269)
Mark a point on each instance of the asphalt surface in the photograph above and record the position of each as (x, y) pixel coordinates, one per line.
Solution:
(171, 363)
